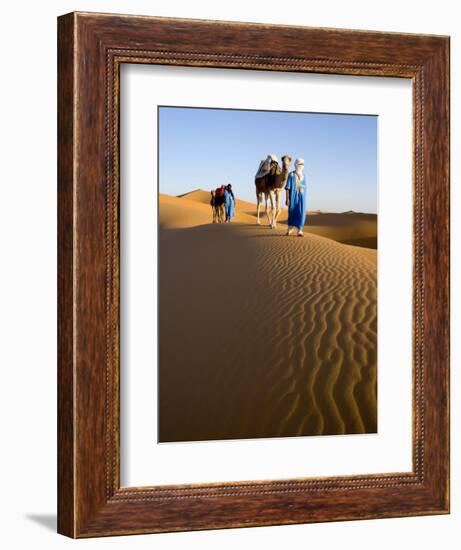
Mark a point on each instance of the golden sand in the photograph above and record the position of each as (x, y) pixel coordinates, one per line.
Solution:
(262, 335)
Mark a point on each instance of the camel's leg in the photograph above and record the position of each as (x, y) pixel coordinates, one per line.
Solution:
(270, 213)
(258, 207)
(213, 209)
(277, 208)
(266, 211)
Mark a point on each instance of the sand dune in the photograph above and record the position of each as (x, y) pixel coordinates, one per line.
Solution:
(199, 195)
(203, 197)
(349, 227)
(262, 335)
(181, 212)
(173, 213)
(352, 228)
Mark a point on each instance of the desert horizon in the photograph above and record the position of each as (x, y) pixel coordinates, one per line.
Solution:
(348, 227)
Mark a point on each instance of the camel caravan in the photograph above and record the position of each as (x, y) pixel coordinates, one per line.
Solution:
(223, 204)
(270, 180)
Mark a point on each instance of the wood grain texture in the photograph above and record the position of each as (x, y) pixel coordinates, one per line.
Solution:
(91, 48)
(66, 471)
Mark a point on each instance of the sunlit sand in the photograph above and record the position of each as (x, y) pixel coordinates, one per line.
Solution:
(263, 335)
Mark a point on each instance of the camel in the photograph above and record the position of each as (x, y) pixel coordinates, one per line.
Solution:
(217, 208)
(213, 208)
(270, 186)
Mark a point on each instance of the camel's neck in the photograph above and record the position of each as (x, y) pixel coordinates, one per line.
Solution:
(280, 178)
(284, 175)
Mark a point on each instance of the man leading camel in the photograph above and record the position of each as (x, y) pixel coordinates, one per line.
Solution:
(296, 198)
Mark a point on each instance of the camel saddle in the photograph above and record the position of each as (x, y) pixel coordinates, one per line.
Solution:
(264, 166)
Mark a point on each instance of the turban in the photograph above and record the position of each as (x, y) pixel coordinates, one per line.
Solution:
(299, 163)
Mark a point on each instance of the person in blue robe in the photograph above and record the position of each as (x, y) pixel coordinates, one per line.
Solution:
(296, 198)
(229, 203)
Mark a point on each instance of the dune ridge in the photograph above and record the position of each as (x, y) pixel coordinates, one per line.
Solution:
(176, 212)
(354, 228)
(262, 335)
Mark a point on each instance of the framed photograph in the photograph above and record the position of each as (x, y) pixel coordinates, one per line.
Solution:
(253, 323)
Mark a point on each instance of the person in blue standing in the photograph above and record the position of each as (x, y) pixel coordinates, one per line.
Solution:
(229, 202)
(296, 198)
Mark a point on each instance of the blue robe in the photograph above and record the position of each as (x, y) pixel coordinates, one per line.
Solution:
(298, 201)
(230, 204)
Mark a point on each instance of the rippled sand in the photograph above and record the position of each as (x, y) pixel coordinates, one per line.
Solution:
(262, 335)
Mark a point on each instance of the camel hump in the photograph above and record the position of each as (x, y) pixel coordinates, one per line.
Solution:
(264, 167)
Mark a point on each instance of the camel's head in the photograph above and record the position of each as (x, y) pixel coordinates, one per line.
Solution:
(286, 161)
(212, 193)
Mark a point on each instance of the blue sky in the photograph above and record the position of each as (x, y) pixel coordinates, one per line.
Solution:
(203, 148)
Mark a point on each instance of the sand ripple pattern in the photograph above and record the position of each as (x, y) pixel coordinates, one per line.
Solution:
(262, 335)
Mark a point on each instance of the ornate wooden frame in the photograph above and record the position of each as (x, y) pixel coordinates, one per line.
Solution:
(91, 48)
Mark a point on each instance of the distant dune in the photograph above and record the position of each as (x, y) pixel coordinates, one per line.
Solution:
(263, 335)
(199, 195)
(349, 227)
(177, 212)
(203, 197)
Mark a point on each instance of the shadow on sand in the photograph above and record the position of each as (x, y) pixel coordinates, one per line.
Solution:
(261, 335)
